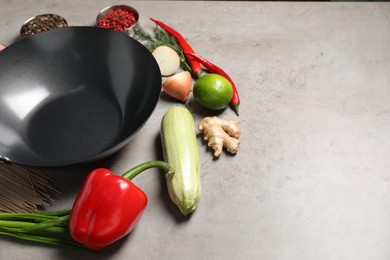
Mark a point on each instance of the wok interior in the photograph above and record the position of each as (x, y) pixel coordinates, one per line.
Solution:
(74, 94)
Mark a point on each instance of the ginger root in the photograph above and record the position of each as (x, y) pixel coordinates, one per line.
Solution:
(220, 133)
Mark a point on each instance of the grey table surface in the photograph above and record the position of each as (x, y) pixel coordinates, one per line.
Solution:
(312, 177)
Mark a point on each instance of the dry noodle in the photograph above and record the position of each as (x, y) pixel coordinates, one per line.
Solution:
(24, 189)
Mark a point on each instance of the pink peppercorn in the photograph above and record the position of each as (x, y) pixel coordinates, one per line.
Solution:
(118, 20)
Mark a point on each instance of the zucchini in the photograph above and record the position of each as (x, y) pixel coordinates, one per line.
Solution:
(180, 150)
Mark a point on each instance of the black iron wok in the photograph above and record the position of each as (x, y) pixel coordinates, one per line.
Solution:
(73, 95)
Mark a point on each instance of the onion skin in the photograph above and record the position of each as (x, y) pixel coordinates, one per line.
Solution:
(178, 86)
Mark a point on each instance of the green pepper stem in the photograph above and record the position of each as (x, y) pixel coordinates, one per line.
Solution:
(235, 106)
(130, 174)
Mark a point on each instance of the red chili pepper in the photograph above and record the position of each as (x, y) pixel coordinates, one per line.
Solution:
(235, 101)
(108, 206)
(184, 45)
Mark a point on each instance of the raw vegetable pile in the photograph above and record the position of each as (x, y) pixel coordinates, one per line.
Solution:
(168, 37)
(107, 196)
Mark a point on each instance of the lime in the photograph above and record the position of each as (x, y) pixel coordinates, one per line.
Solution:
(213, 91)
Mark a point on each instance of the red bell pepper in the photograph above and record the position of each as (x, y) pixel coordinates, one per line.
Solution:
(108, 206)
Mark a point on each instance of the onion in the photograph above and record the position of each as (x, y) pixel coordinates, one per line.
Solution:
(167, 59)
(178, 86)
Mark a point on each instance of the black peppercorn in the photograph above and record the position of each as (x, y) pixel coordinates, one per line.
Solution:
(42, 23)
